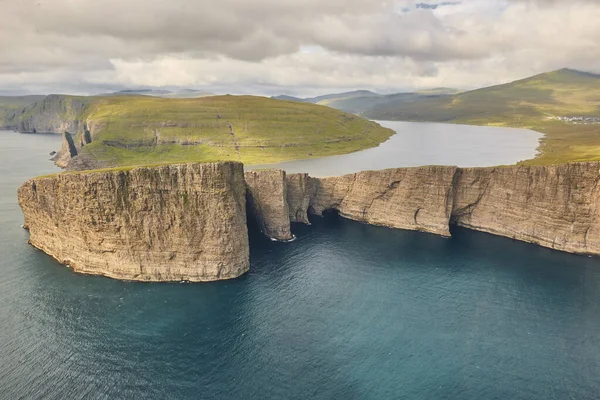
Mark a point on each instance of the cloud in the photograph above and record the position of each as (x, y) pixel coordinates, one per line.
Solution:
(295, 45)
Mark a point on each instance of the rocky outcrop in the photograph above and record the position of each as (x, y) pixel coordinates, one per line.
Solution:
(267, 202)
(168, 223)
(66, 152)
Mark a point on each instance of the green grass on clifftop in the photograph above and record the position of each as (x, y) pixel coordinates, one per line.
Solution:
(533, 103)
(146, 130)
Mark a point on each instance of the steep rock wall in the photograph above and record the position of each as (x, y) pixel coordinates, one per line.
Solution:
(53, 114)
(405, 198)
(267, 202)
(188, 222)
(300, 191)
(168, 223)
(555, 206)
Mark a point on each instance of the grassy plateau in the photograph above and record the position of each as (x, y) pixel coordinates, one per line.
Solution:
(139, 130)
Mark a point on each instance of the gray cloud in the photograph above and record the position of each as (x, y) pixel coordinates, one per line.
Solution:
(308, 45)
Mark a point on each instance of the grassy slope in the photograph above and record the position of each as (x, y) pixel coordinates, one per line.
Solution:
(145, 130)
(9, 105)
(528, 103)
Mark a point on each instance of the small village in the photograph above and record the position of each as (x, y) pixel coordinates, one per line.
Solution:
(585, 120)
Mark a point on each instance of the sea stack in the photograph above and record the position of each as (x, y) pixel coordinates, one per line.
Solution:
(267, 202)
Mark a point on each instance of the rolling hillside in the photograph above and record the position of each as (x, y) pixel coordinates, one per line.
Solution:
(564, 105)
(127, 130)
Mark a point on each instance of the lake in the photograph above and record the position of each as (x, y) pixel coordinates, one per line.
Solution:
(347, 311)
(423, 143)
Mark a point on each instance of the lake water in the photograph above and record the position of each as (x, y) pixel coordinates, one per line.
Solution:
(347, 311)
(423, 143)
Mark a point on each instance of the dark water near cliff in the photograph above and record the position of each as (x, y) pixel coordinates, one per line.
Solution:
(424, 143)
(348, 311)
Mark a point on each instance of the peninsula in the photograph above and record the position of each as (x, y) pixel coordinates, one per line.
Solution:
(115, 131)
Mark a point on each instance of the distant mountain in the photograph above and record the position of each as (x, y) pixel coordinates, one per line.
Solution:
(188, 94)
(346, 95)
(290, 98)
(179, 94)
(148, 92)
(362, 101)
(333, 96)
(557, 93)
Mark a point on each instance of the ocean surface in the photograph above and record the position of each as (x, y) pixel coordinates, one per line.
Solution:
(347, 311)
(424, 143)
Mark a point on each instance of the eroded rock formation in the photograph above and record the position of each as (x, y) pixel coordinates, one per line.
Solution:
(66, 152)
(300, 191)
(168, 223)
(267, 202)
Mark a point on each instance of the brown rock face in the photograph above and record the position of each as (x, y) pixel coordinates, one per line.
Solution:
(267, 202)
(66, 152)
(168, 223)
(555, 206)
(406, 198)
(300, 190)
(188, 222)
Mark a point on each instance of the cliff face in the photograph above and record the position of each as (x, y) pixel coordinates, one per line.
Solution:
(188, 222)
(406, 198)
(168, 223)
(12, 106)
(267, 201)
(555, 206)
(53, 114)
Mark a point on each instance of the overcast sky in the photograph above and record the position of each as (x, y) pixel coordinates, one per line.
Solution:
(302, 47)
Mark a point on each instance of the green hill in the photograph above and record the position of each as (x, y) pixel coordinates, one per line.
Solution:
(128, 130)
(564, 105)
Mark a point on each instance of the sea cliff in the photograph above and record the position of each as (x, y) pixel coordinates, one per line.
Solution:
(556, 206)
(188, 222)
(53, 114)
(167, 223)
